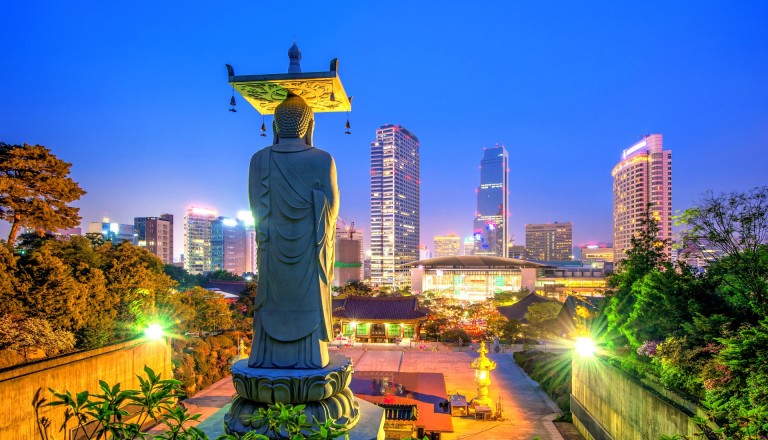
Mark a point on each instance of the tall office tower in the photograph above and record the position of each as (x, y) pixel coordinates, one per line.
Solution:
(349, 254)
(395, 183)
(115, 232)
(641, 179)
(490, 225)
(156, 235)
(228, 245)
(197, 239)
(549, 241)
(447, 245)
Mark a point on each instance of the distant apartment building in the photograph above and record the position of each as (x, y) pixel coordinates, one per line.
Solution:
(349, 254)
(197, 239)
(490, 227)
(549, 241)
(395, 208)
(642, 178)
(114, 232)
(228, 245)
(447, 245)
(155, 234)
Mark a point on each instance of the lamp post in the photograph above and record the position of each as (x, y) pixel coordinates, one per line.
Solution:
(483, 366)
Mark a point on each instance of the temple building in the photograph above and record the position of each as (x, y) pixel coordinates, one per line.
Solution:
(379, 319)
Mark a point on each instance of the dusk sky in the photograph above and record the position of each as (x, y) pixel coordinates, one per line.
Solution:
(135, 95)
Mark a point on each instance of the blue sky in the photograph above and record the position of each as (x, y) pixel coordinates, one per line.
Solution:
(135, 95)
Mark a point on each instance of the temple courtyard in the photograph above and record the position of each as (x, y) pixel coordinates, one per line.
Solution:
(527, 410)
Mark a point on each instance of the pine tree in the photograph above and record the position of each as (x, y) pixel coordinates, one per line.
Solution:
(35, 189)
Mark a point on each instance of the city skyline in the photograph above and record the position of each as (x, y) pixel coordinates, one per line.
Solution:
(564, 89)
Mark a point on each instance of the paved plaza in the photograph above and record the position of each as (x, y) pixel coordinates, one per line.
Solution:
(527, 410)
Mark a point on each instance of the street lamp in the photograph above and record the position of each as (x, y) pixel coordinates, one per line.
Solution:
(483, 366)
(585, 347)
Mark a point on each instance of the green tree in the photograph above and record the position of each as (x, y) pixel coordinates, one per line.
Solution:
(646, 253)
(508, 297)
(223, 275)
(664, 300)
(211, 310)
(9, 301)
(32, 334)
(356, 288)
(48, 290)
(35, 189)
(735, 225)
(184, 279)
(542, 316)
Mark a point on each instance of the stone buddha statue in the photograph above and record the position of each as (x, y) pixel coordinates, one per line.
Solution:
(295, 201)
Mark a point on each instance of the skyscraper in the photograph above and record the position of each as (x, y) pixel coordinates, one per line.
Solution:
(490, 225)
(197, 239)
(642, 178)
(395, 183)
(156, 235)
(447, 245)
(228, 245)
(549, 241)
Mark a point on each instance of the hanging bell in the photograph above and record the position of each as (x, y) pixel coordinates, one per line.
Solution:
(232, 101)
(333, 97)
(348, 126)
(263, 129)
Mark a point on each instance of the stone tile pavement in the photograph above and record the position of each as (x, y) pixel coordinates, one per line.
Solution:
(527, 410)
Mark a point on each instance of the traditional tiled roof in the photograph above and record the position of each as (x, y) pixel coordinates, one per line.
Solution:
(233, 287)
(387, 308)
(518, 310)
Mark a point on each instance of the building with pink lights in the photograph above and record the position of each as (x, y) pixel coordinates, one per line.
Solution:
(643, 176)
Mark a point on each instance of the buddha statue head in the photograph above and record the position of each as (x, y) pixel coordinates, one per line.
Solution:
(294, 119)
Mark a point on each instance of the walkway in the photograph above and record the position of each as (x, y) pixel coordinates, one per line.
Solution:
(528, 411)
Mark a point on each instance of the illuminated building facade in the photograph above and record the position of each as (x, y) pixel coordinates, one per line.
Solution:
(490, 225)
(473, 278)
(228, 245)
(155, 234)
(596, 254)
(549, 241)
(395, 182)
(114, 232)
(643, 177)
(197, 239)
(447, 245)
(559, 282)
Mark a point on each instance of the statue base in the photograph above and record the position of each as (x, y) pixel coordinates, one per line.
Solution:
(324, 392)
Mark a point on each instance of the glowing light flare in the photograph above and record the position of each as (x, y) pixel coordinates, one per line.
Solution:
(585, 346)
(154, 332)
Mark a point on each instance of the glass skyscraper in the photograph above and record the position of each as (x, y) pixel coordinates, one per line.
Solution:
(490, 226)
(395, 182)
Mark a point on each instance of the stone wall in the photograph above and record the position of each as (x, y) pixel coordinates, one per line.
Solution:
(118, 363)
(608, 404)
